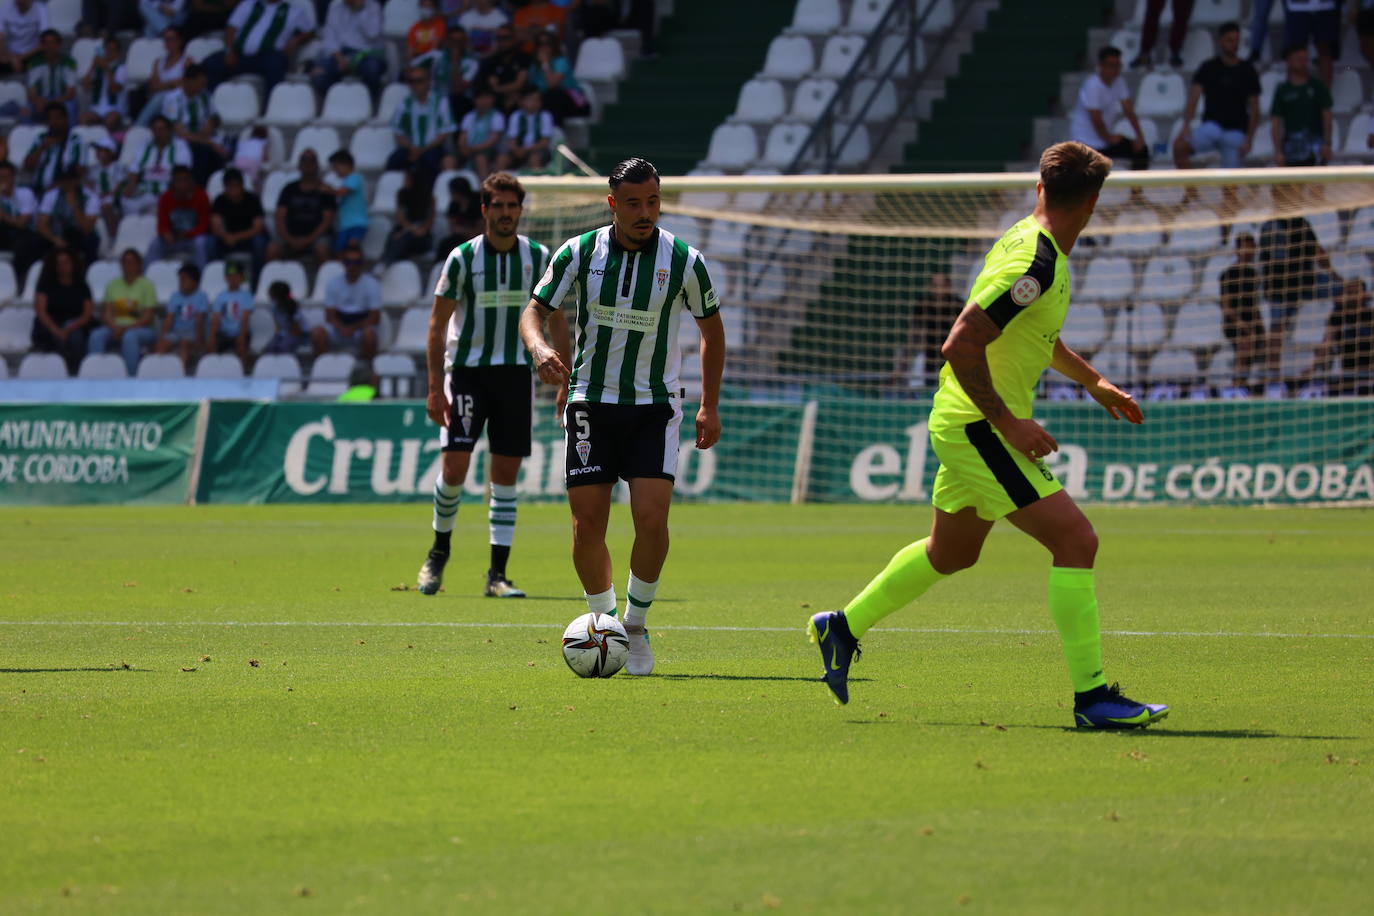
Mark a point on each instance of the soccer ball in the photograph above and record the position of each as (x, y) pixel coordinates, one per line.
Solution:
(595, 645)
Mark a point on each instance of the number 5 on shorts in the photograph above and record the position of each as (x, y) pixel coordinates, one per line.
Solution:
(584, 427)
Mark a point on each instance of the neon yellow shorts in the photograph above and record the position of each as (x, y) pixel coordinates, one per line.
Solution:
(979, 469)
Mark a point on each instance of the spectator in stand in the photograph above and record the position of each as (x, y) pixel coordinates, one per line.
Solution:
(597, 17)
(291, 332)
(21, 22)
(412, 234)
(1300, 116)
(68, 214)
(643, 16)
(105, 84)
(1149, 32)
(1230, 90)
(238, 222)
(482, 21)
(352, 309)
(350, 224)
(305, 215)
(108, 15)
(104, 179)
(160, 14)
(529, 135)
(1291, 265)
(422, 125)
(1349, 338)
(1317, 21)
(464, 216)
(252, 151)
(262, 37)
(536, 18)
(204, 16)
(183, 221)
(228, 328)
(452, 69)
(51, 78)
(62, 310)
(167, 73)
(184, 326)
(57, 149)
(1259, 28)
(935, 313)
(1103, 97)
(129, 306)
(195, 121)
(18, 207)
(552, 75)
(153, 174)
(481, 133)
(507, 71)
(1362, 15)
(1240, 314)
(351, 44)
(427, 34)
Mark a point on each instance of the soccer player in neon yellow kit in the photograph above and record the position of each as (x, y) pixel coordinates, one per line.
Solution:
(992, 453)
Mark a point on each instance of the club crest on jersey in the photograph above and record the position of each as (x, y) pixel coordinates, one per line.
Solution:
(662, 276)
(584, 450)
(1025, 291)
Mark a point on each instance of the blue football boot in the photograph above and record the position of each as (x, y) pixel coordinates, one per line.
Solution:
(839, 648)
(1107, 707)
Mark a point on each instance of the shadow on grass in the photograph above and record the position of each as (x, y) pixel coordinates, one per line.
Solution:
(748, 677)
(64, 670)
(532, 597)
(1159, 730)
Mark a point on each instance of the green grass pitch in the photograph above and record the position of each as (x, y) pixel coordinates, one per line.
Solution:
(225, 710)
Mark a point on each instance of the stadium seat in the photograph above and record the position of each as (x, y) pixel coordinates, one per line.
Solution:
(891, 53)
(212, 280)
(30, 287)
(276, 146)
(688, 228)
(729, 239)
(12, 91)
(346, 104)
(840, 54)
(9, 285)
(237, 103)
(938, 15)
(1356, 137)
(873, 106)
(789, 58)
(1116, 364)
(396, 375)
(1136, 233)
(1262, 150)
(857, 148)
(289, 271)
(1214, 12)
(401, 285)
(83, 52)
(374, 243)
(102, 366)
(306, 8)
(281, 366)
(1328, 229)
(99, 274)
(1108, 279)
(733, 146)
(370, 146)
(392, 97)
(163, 275)
(219, 365)
(142, 54)
(323, 140)
(1178, 366)
(761, 100)
(750, 201)
(135, 139)
(1167, 278)
(811, 98)
(329, 374)
(214, 185)
(864, 15)
(1198, 46)
(1085, 326)
(398, 16)
(1221, 368)
(1140, 327)
(600, 59)
(413, 334)
(291, 105)
(90, 133)
(816, 17)
(441, 193)
(1194, 239)
(784, 143)
(1353, 263)
(261, 328)
(1147, 126)
(22, 137)
(1197, 325)
(15, 327)
(271, 189)
(42, 366)
(1161, 95)
(1309, 325)
(197, 49)
(1347, 91)
(384, 192)
(135, 232)
(1269, 81)
(327, 272)
(160, 365)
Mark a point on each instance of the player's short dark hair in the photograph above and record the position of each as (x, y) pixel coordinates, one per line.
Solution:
(1226, 28)
(635, 171)
(1108, 51)
(1072, 172)
(502, 181)
(189, 270)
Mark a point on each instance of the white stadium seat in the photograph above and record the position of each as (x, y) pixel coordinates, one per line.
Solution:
(401, 284)
(138, 62)
(219, 365)
(784, 143)
(327, 272)
(346, 104)
(134, 232)
(261, 328)
(1195, 239)
(398, 16)
(160, 365)
(733, 146)
(939, 15)
(15, 328)
(688, 228)
(163, 275)
(811, 98)
(237, 103)
(329, 374)
(42, 366)
(789, 58)
(102, 366)
(135, 139)
(212, 278)
(1167, 278)
(396, 374)
(13, 91)
(761, 100)
(1161, 95)
(1174, 366)
(281, 366)
(876, 106)
(1198, 325)
(1107, 279)
(1353, 264)
(816, 17)
(1347, 91)
(83, 53)
(1198, 46)
(384, 194)
(1140, 327)
(271, 189)
(1147, 127)
(1328, 229)
(1136, 233)
(600, 59)
(1215, 12)
(893, 50)
(1356, 137)
(864, 15)
(323, 140)
(841, 51)
(370, 146)
(1269, 81)
(1309, 325)
(392, 97)
(413, 334)
(197, 49)
(1116, 364)
(99, 274)
(22, 137)
(289, 271)
(290, 105)
(214, 185)
(1085, 326)
(857, 148)
(30, 288)
(276, 146)
(9, 285)
(374, 243)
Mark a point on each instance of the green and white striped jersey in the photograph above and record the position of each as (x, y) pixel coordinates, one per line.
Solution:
(490, 288)
(629, 307)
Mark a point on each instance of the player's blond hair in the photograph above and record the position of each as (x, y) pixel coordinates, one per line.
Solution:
(1072, 172)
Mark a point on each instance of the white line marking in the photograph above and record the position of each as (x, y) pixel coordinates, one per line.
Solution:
(508, 625)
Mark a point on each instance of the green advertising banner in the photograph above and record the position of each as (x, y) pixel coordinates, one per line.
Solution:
(68, 454)
(389, 452)
(1236, 452)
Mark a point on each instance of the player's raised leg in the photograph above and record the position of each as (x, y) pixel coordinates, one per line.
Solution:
(1062, 528)
(650, 498)
(501, 513)
(448, 494)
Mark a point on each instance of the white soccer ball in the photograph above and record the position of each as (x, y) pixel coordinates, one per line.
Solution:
(595, 645)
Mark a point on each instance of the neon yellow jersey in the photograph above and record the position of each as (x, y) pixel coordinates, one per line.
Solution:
(1024, 288)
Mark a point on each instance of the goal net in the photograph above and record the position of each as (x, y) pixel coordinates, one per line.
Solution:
(1235, 305)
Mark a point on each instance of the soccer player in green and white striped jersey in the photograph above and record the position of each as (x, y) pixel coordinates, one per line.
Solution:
(479, 375)
(629, 283)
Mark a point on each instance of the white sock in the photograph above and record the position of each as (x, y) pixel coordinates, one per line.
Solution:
(446, 499)
(602, 602)
(640, 595)
(501, 514)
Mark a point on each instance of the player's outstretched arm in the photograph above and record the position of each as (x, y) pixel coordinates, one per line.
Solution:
(1072, 366)
(547, 362)
(437, 403)
(712, 367)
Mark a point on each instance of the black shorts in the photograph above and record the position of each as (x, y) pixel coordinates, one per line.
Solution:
(610, 441)
(500, 398)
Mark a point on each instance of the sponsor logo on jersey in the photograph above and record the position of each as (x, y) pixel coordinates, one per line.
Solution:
(584, 451)
(1025, 290)
(576, 472)
(627, 319)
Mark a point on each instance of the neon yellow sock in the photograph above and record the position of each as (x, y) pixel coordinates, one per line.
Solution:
(906, 578)
(1073, 604)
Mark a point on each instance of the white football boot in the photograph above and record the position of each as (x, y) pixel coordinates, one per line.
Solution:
(641, 659)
